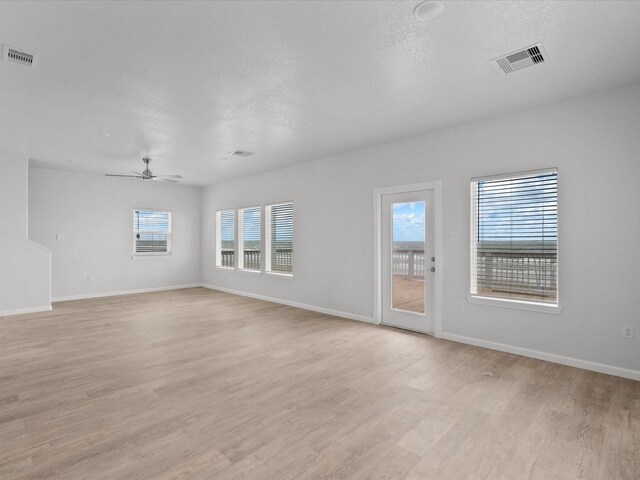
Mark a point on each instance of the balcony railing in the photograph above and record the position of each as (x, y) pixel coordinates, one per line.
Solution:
(282, 261)
(517, 272)
(408, 264)
(524, 273)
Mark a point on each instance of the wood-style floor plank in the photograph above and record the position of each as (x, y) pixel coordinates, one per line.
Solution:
(198, 384)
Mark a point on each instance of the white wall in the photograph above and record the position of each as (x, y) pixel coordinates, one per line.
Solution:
(95, 215)
(595, 143)
(24, 266)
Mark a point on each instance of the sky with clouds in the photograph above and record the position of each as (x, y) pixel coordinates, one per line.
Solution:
(521, 209)
(251, 217)
(515, 209)
(408, 222)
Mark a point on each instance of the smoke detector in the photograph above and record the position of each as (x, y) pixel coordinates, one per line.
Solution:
(240, 153)
(526, 57)
(15, 55)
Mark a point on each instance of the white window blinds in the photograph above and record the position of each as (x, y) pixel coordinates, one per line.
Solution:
(251, 238)
(225, 238)
(514, 243)
(279, 238)
(151, 232)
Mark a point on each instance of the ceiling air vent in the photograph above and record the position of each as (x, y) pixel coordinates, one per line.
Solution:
(240, 153)
(527, 57)
(14, 55)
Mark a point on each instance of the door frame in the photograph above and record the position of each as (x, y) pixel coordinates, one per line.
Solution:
(436, 186)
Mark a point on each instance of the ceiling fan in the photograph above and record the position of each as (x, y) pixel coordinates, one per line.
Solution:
(148, 175)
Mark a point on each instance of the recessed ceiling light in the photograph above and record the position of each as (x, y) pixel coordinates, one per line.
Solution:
(428, 10)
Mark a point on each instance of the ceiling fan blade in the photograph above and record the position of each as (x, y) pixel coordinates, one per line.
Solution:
(129, 176)
(166, 180)
(169, 176)
(138, 173)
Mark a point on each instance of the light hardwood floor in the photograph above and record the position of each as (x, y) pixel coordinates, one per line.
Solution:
(197, 384)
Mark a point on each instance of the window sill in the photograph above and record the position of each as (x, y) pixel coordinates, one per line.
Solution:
(228, 269)
(248, 270)
(137, 256)
(516, 304)
(280, 275)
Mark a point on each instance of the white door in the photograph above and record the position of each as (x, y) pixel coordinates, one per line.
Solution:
(408, 262)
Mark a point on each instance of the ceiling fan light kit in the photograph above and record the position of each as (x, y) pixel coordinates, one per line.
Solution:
(147, 174)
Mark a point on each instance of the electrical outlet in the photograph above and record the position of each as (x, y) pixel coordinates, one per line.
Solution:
(460, 308)
(627, 331)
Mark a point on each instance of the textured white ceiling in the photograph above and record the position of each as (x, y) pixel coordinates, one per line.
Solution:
(292, 81)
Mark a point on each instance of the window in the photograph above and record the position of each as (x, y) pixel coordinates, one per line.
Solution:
(151, 232)
(226, 238)
(514, 243)
(249, 238)
(279, 238)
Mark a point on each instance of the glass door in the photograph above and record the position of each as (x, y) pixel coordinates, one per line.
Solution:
(408, 264)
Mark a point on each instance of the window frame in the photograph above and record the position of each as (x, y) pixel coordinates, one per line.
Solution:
(520, 304)
(240, 238)
(169, 250)
(267, 240)
(218, 244)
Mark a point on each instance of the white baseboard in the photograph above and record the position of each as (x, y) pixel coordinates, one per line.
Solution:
(22, 311)
(123, 292)
(549, 357)
(304, 306)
